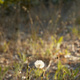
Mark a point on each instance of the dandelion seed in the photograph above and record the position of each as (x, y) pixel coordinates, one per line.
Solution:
(67, 56)
(39, 64)
(23, 77)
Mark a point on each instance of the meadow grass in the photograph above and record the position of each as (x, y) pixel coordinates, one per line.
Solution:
(43, 42)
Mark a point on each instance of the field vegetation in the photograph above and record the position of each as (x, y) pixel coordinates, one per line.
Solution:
(39, 40)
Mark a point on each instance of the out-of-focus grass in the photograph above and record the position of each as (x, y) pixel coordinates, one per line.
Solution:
(64, 73)
(42, 49)
(43, 43)
(3, 72)
(76, 31)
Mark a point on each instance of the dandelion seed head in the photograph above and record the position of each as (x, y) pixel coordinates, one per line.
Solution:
(39, 64)
(23, 77)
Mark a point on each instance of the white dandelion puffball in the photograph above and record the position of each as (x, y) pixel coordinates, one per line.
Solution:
(39, 64)
(67, 56)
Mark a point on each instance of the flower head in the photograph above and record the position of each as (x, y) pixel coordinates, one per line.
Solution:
(67, 56)
(39, 64)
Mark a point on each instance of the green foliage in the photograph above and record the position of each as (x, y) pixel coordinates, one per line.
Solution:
(2, 72)
(26, 3)
(38, 72)
(1, 1)
(58, 43)
(76, 31)
(4, 47)
(63, 73)
(22, 57)
(17, 68)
